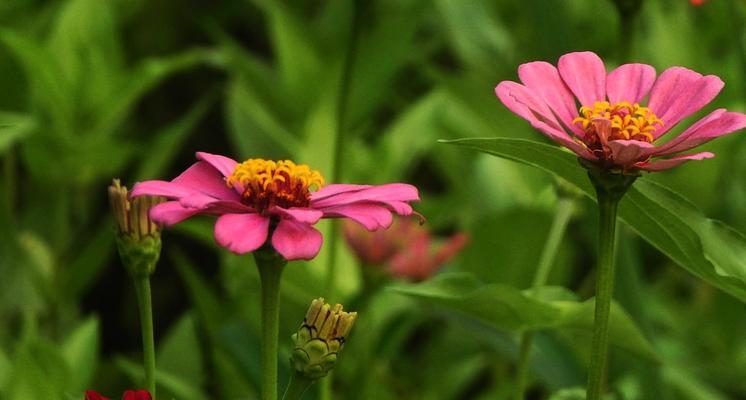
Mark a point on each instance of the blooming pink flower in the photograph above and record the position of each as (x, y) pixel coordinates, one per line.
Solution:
(611, 128)
(256, 197)
(128, 395)
(407, 250)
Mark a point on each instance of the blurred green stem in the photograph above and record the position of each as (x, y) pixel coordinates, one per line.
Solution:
(296, 387)
(145, 304)
(607, 205)
(270, 265)
(556, 232)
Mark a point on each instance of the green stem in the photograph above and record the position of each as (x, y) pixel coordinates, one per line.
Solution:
(270, 267)
(296, 387)
(145, 304)
(607, 205)
(556, 232)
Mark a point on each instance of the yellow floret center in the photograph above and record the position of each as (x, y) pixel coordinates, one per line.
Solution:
(267, 183)
(628, 121)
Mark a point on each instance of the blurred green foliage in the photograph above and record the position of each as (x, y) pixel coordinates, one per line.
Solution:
(361, 90)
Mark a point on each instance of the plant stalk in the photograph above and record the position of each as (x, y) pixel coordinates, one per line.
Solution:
(556, 232)
(296, 387)
(607, 205)
(145, 305)
(270, 272)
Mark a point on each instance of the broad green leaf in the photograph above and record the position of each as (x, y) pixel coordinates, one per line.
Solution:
(84, 267)
(706, 248)
(176, 385)
(506, 308)
(80, 351)
(179, 353)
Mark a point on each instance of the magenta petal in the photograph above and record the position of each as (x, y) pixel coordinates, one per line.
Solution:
(223, 164)
(304, 215)
(716, 124)
(160, 188)
(370, 215)
(524, 102)
(203, 177)
(296, 240)
(629, 82)
(585, 74)
(544, 80)
(241, 233)
(334, 189)
(669, 163)
(381, 193)
(170, 213)
(680, 92)
(214, 206)
(628, 152)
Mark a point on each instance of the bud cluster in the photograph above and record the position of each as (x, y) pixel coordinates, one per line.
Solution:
(320, 338)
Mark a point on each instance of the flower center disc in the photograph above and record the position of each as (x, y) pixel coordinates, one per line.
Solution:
(268, 183)
(627, 122)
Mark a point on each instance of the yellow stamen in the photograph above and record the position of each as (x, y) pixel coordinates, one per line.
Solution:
(628, 121)
(266, 183)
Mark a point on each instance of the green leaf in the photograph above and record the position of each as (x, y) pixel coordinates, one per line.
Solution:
(80, 351)
(176, 385)
(179, 352)
(504, 307)
(706, 248)
(13, 128)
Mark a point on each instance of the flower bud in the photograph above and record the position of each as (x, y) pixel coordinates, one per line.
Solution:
(320, 338)
(138, 237)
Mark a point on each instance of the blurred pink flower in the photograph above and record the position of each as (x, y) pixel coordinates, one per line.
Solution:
(407, 250)
(258, 198)
(128, 395)
(611, 129)
(697, 2)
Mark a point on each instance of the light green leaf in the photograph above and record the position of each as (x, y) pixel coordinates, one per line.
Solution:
(14, 127)
(179, 352)
(504, 307)
(80, 351)
(706, 248)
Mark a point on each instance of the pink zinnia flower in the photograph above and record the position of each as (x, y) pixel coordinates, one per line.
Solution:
(256, 197)
(611, 129)
(128, 395)
(407, 250)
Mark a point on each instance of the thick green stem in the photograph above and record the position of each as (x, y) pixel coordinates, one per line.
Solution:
(296, 387)
(607, 205)
(548, 254)
(270, 266)
(145, 304)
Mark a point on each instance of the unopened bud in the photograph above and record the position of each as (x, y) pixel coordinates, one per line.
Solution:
(320, 338)
(138, 237)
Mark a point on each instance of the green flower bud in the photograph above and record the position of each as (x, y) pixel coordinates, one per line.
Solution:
(320, 338)
(138, 237)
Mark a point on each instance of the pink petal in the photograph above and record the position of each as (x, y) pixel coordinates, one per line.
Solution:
(680, 92)
(669, 163)
(204, 178)
(382, 193)
(223, 164)
(544, 80)
(370, 215)
(628, 152)
(296, 240)
(160, 188)
(304, 215)
(241, 233)
(629, 82)
(585, 74)
(170, 213)
(524, 102)
(334, 189)
(214, 206)
(716, 124)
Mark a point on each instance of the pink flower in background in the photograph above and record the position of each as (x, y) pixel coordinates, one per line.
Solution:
(611, 128)
(257, 199)
(128, 395)
(407, 250)
(697, 2)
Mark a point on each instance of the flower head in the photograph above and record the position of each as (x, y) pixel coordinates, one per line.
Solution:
(407, 250)
(320, 338)
(260, 199)
(138, 236)
(128, 395)
(611, 128)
